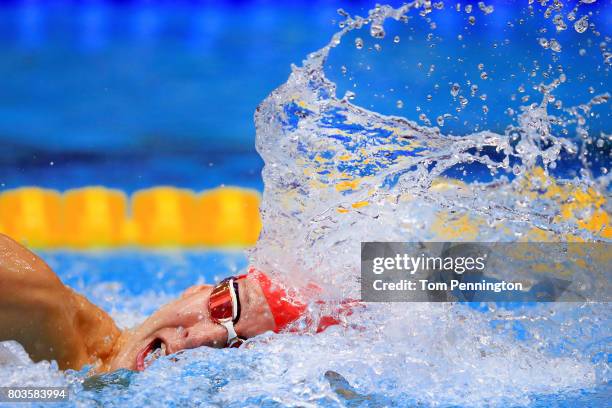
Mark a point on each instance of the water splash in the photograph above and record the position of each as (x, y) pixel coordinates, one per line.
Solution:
(337, 174)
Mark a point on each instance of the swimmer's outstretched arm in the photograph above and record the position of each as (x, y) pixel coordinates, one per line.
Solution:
(50, 320)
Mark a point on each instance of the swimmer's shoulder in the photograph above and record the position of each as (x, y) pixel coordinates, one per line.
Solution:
(20, 268)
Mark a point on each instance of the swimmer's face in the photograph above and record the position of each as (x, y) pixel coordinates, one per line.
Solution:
(182, 324)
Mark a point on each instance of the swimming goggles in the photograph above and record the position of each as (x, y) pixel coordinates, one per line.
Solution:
(224, 308)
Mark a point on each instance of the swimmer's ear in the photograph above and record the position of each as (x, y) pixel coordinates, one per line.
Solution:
(194, 289)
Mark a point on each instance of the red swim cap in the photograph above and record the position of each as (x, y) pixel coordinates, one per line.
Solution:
(285, 308)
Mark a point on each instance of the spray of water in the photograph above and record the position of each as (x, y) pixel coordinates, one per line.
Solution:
(337, 174)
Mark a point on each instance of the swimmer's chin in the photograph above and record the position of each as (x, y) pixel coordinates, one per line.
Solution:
(125, 353)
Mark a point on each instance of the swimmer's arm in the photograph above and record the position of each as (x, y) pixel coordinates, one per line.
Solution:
(47, 318)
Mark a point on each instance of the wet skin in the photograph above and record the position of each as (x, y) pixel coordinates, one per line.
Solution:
(53, 322)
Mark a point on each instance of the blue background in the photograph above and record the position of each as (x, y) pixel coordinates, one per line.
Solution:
(130, 94)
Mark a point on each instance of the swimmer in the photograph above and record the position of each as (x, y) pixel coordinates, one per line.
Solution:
(53, 322)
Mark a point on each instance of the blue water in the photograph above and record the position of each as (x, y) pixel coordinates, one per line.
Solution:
(134, 94)
(166, 272)
(129, 172)
(130, 94)
(130, 285)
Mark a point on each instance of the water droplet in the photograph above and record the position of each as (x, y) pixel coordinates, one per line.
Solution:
(591, 90)
(474, 89)
(485, 109)
(468, 8)
(426, 9)
(484, 75)
(472, 20)
(516, 169)
(521, 88)
(349, 95)
(396, 39)
(554, 45)
(377, 31)
(460, 37)
(559, 23)
(377, 47)
(582, 52)
(399, 104)
(604, 170)
(582, 24)
(455, 89)
(424, 119)
(548, 13)
(544, 42)
(343, 70)
(358, 43)
(484, 8)
(342, 12)
(600, 143)
(480, 66)
(440, 121)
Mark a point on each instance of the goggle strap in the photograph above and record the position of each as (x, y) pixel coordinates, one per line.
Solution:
(234, 299)
(231, 332)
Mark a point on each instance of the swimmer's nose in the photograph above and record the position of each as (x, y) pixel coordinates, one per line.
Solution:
(202, 334)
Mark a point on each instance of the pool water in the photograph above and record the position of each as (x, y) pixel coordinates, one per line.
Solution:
(312, 370)
(132, 284)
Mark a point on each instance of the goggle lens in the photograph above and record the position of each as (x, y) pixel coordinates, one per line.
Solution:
(220, 304)
(224, 309)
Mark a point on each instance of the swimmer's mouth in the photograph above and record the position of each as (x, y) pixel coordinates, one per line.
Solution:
(154, 350)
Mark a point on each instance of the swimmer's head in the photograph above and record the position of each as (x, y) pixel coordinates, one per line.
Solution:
(181, 324)
(186, 323)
